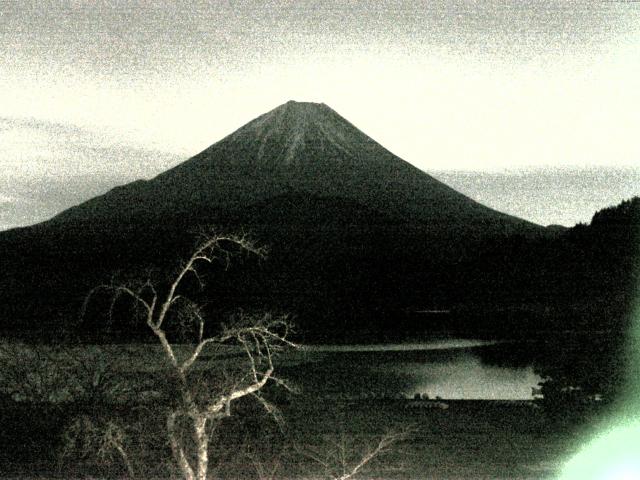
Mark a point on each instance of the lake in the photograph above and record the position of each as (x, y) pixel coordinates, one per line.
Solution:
(450, 369)
(445, 368)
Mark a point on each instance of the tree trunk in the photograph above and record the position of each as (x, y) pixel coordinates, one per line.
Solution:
(176, 448)
(202, 444)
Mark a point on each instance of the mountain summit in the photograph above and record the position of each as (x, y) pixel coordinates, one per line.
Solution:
(294, 127)
(296, 148)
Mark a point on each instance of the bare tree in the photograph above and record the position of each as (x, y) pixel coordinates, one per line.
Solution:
(105, 440)
(202, 403)
(344, 457)
(269, 465)
(56, 374)
(34, 374)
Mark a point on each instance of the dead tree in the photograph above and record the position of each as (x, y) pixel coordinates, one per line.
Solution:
(258, 338)
(344, 458)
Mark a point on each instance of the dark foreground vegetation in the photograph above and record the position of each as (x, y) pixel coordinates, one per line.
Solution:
(79, 415)
(469, 439)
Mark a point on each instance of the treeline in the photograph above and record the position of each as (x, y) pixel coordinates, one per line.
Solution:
(578, 315)
(342, 271)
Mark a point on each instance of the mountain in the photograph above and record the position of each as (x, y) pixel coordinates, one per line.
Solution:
(356, 234)
(297, 147)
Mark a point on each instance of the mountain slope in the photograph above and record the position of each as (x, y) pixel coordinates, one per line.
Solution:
(297, 147)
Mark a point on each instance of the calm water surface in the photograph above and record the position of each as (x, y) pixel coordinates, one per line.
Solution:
(450, 369)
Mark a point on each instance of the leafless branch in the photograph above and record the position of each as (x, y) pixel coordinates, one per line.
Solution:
(266, 469)
(196, 353)
(342, 461)
(270, 408)
(102, 439)
(260, 337)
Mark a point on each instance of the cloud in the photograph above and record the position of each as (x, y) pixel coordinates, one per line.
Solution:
(32, 148)
(48, 167)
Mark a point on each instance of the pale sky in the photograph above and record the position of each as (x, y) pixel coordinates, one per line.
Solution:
(93, 92)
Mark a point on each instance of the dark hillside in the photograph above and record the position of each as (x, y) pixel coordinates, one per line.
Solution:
(584, 278)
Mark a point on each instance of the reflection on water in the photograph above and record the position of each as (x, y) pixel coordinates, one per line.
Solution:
(450, 369)
(466, 377)
(444, 344)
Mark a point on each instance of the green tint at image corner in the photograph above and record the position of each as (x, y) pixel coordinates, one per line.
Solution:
(615, 453)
